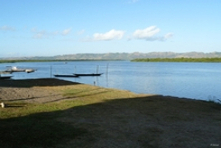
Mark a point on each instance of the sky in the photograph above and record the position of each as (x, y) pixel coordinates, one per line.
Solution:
(59, 27)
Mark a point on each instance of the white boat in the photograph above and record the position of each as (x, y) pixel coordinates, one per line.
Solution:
(29, 70)
(16, 69)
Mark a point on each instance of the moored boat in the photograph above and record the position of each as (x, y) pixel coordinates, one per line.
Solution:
(88, 74)
(64, 75)
(16, 69)
(29, 70)
(5, 77)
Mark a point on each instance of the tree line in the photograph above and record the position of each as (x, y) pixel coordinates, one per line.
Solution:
(217, 59)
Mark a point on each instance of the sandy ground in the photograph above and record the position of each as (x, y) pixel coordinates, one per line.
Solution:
(32, 91)
(151, 121)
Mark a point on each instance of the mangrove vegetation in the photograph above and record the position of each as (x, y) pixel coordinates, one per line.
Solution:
(218, 59)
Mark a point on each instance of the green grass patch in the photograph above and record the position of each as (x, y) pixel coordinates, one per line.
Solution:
(91, 116)
(93, 94)
(38, 130)
(36, 125)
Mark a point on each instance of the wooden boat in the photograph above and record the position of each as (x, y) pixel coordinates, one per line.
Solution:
(62, 75)
(89, 74)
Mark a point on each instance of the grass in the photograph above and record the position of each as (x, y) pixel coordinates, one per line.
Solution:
(36, 125)
(89, 115)
(87, 94)
(37, 130)
(81, 95)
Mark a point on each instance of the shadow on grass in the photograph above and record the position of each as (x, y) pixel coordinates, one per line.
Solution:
(38, 130)
(35, 82)
(153, 121)
(14, 106)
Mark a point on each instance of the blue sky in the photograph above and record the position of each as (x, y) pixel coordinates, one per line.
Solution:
(57, 27)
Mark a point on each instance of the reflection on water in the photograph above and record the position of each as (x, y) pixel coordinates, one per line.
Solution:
(192, 80)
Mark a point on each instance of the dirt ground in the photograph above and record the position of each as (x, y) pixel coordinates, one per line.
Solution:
(33, 90)
(141, 122)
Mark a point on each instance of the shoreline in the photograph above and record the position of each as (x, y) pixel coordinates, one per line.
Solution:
(54, 82)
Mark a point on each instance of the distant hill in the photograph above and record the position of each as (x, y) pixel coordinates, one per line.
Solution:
(121, 56)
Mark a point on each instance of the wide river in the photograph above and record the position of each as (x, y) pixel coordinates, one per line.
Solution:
(191, 80)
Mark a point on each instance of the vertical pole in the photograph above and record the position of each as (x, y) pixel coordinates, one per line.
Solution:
(107, 69)
(97, 68)
(51, 71)
(107, 74)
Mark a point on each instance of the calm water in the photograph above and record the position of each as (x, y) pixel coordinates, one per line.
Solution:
(192, 80)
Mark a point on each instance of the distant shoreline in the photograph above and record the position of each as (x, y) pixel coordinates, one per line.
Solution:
(178, 60)
(53, 60)
(115, 56)
(205, 60)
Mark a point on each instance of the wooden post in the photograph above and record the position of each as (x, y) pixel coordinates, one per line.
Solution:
(51, 71)
(107, 69)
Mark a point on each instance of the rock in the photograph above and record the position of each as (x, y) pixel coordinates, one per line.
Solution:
(2, 105)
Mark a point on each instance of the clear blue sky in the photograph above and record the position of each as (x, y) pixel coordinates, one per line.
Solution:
(56, 27)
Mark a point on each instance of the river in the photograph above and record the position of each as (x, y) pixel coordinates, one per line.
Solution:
(190, 80)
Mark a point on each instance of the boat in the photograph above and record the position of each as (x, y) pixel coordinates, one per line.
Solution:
(88, 74)
(29, 70)
(5, 77)
(64, 75)
(4, 72)
(16, 69)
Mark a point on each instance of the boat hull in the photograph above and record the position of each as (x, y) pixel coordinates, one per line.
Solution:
(60, 75)
(5, 77)
(90, 74)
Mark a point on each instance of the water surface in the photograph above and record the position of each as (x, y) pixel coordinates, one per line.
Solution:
(191, 80)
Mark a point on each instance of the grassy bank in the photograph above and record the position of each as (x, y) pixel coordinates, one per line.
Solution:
(90, 116)
(36, 125)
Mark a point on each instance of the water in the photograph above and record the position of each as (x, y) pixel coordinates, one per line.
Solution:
(191, 80)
